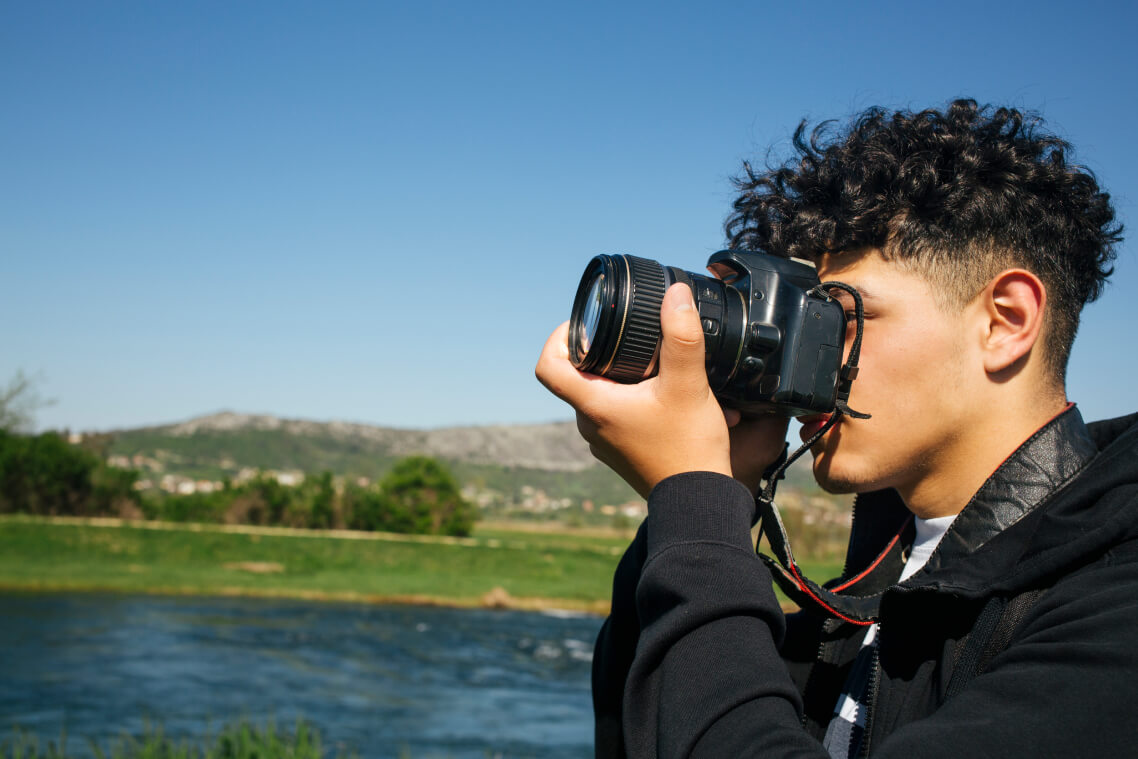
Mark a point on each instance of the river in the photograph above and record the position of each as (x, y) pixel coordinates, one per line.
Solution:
(464, 684)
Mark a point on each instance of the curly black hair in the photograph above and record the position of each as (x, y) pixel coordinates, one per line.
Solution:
(958, 195)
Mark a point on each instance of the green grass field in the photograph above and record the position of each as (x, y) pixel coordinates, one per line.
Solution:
(561, 569)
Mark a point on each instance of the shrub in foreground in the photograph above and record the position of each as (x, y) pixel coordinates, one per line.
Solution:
(235, 741)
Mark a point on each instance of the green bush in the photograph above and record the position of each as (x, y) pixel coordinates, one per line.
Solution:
(371, 509)
(235, 741)
(422, 497)
(322, 513)
(46, 475)
(418, 496)
(193, 507)
(275, 498)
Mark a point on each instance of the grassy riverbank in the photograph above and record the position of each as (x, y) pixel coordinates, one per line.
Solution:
(499, 565)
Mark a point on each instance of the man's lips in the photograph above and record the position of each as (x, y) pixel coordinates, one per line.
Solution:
(811, 425)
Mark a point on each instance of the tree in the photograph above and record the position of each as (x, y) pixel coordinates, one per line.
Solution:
(18, 404)
(365, 509)
(270, 500)
(44, 474)
(322, 514)
(421, 496)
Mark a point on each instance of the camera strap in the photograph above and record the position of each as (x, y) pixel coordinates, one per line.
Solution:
(849, 370)
(846, 377)
(772, 527)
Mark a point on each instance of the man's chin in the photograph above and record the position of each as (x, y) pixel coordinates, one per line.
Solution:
(837, 487)
(833, 479)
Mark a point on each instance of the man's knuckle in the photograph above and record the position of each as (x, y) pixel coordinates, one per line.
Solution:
(688, 335)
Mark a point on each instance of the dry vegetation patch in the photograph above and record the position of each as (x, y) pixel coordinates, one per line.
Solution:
(256, 567)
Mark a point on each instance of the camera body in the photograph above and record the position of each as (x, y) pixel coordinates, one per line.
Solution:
(773, 342)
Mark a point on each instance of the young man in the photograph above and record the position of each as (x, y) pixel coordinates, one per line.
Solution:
(990, 600)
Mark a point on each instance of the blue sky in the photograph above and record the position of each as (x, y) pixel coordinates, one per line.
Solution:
(378, 211)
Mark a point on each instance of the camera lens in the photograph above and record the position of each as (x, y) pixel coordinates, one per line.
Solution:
(592, 316)
(614, 329)
(772, 344)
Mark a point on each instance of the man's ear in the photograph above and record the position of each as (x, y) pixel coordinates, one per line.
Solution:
(1013, 304)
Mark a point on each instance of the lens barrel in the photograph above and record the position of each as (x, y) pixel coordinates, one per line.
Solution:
(772, 344)
(614, 329)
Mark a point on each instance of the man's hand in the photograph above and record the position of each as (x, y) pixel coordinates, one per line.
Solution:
(665, 425)
(756, 443)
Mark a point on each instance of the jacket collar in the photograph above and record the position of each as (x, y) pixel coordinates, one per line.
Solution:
(1038, 469)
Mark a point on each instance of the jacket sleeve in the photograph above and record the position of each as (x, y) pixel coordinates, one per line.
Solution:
(707, 679)
(615, 649)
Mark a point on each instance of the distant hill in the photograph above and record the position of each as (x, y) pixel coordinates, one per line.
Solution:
(554, 447)
(501, 459)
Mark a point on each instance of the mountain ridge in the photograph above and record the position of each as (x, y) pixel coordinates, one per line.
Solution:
(555, 447)
(549, 446)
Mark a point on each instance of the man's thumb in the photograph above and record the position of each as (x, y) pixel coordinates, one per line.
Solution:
(681, 347)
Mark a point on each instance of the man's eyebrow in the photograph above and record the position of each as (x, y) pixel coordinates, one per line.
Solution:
(846, 298)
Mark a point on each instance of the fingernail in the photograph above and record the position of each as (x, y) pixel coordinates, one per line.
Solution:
(686, 304)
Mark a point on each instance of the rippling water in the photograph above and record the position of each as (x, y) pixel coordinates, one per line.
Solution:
(436, 682)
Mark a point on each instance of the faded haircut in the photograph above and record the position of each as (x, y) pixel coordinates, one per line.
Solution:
(956, 195)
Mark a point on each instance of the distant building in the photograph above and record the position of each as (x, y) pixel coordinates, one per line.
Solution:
(288, 479)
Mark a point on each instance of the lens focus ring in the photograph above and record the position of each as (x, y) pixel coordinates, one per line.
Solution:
(640, 338)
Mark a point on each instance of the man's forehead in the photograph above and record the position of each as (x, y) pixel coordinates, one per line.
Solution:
(875, 277)
(867, 294)
(853, 268)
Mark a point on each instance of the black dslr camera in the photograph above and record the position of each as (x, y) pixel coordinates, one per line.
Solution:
(773, 335)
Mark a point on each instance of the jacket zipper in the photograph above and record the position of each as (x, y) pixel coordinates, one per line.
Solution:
(871, 699)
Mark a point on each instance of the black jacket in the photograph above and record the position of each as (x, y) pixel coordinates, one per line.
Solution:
(696, 658)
